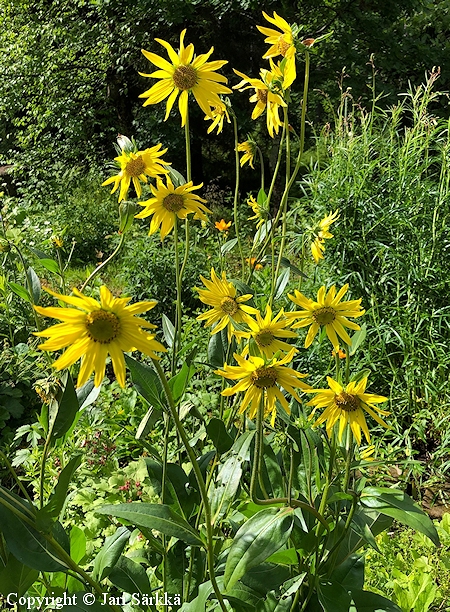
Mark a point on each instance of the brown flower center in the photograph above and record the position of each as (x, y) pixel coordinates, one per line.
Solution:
(324, 316)
(264, 338)
(264, 377)
(174, 202)
(184, 78)
(135, 167)
(229, 305)
(282, 46)
(347, 401)
(262, 95)
(102, 326)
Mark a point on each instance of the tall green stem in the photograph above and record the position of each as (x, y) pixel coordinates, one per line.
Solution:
(236, 196)
(104, 263)
(199, 479)
(261, 163)
(177, 335)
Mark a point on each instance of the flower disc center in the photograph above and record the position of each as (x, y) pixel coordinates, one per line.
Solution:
(102, 326)
(264, 377)
(135, 167)
(184, 77)
(264, 338)
(347, 401)
(174, 202)
(324, 316)
(262, 95)
(282, 46)
(229, 305)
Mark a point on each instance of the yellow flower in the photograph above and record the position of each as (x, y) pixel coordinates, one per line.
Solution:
(261, 381)
(253, 263)
(218, 114)
(328, 311)
(92, 330)
(266, 99)
(227, 309)
(136, 167)
(222, 225)
(170, 202)
(261, 213)
(322, 234)
(346, 406)
(249, 149)
(185, 74)
(282, 43)
(266, 332)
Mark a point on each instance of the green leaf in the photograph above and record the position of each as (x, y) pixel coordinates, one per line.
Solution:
(20, 291)
(35, 284)
(228, 246)
(199, 603)
(216, 351)
(63, 410)
(285, 262)
(58, 497)
(16, 577)
(358, 338)
(177, 493)
(179, 382)
(281, 283)
(229, 476)
(80, 606)
(399, 506)
(350, 574)
(176, 568)
(366, 601)
(146, 382)
(176, 177)
(261, 197)
(257, 539)
(110, 552)
(159, 517)
(147, 423)
(168, 330)
(51, 265)
(333, 597)
(87, 394)
(219, 436)
(129, 576)
(262, 232)
(77, 544)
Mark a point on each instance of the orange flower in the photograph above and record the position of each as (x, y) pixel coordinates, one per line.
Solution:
(340, 353)
(253, 263)
(222, 226)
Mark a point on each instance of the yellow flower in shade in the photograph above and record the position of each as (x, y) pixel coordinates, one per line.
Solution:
(222, 225)
(253, 263)
(327, 311)
(183, 74)
(218, 115)
(261, 380)
(347, 405)
(322, 234)
(282, 43)
(266, 99)
(267, 331)
(92, 330)
(248, 148)
(136, 167)
(227, 308)
(170, 202)
(261, 213)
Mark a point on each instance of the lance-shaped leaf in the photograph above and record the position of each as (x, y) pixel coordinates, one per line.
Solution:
(256, 540)
(155, 516)
(399, 506)
(110, 552)
(16, 577)
(63, 409)
(146, 381)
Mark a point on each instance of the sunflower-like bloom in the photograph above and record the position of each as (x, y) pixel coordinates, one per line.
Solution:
(265, 97)
(329, 311)
(183, 74)
(170, 202)
(92, 330)
(261, 212)
(136, 167)
(347, 405)
(262, 380)
(222, 225)
(317, 245)
(227, 308)
(267, 331)
(248, 148)
(218, 115)
(282, 43)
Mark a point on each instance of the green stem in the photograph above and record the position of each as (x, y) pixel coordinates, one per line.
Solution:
(42, 470)
(236, 196)
(104, 263)
(177, 335)
(199, 479)
(16, 478)
(261, 163)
